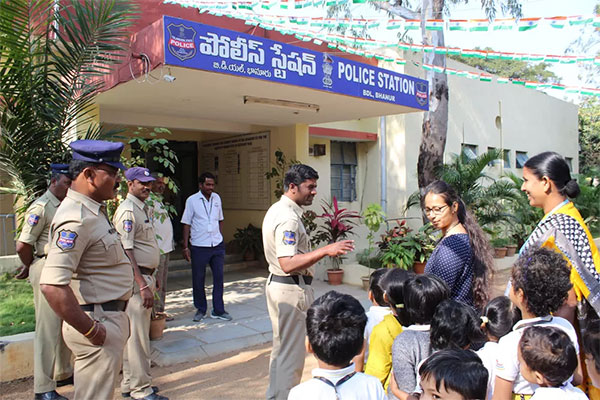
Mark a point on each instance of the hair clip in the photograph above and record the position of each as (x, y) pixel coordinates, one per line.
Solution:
(485, 320)
(400, 305)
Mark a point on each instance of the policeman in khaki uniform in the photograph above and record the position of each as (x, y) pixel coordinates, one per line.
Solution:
(289, 294)
(52, 358)
(133, 221)
(87, 278)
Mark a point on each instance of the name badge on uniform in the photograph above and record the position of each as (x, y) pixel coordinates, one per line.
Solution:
(127, 225)
(33, 219)
(66, 239)
(289, 237)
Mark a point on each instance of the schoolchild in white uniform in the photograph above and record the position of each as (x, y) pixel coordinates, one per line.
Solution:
(335, 325)
(540, 286)
(497, 319)
(548, 359)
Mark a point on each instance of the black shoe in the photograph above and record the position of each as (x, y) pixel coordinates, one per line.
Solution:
(53, 395)
(65, 382)
(155, 390)
(154, 396)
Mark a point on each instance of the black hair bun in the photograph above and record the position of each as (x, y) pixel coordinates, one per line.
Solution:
(572, 188)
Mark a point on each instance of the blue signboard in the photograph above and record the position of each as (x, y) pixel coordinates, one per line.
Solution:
(194, 45)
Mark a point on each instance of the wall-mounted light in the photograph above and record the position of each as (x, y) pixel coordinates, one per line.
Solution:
(282, 103)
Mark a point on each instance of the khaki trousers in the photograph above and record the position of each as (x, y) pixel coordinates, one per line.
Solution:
(97, 367)
(136, 357)
(161, 281)
(287, 305)
(51, 357)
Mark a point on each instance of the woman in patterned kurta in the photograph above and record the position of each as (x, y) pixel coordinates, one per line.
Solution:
(462, 258)
(548, 184)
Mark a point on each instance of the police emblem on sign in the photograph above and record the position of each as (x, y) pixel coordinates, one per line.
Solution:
(33, 219)
(421, 93)
(181, 41)
(127, 225)
(66, 239)
(289, 237)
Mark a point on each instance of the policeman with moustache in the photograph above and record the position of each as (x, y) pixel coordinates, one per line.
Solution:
(133, 221)
(52, 358)
(87, 278)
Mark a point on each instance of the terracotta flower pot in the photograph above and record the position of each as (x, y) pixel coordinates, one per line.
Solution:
(511, 250)
(157, 326)
(365, 282)
(500, 252)
(419, 267)
(335, 276)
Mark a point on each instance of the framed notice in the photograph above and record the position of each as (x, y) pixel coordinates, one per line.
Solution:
(240, 164)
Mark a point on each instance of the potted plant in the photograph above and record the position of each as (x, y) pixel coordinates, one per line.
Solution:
(370, 260)
(396, 247)
(249, 241)
(511, 248)
(158, 320)
(373, 217)
(425, 244)
(499, 244)
(338, 225)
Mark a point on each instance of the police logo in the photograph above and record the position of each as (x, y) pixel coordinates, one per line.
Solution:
(181, 41)
(289, 237)
(421, 93)
(33, 219)
(66, 239)
(127, 225)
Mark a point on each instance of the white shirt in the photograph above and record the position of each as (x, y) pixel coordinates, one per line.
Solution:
(374, 316)
(488, 357)
(507, 363)
(565, 392)
(203, 216)
(359, 387)
(163, 227)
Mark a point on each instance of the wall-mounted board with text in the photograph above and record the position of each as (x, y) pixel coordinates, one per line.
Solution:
(240, 164)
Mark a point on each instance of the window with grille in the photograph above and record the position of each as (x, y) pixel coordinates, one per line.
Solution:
(343, 170)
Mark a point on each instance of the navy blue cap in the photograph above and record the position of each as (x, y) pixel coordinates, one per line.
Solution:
(98, 151)
(60, 169)
(140, 173)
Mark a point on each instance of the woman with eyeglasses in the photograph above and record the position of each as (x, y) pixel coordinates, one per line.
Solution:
(462, 257)
(548, 184)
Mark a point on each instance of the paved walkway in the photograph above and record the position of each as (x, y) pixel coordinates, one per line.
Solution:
(186, 341)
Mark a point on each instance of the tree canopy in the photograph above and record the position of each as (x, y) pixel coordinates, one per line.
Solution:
(589, 135)
(514, 69)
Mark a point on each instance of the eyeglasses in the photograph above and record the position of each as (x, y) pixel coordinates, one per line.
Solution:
(110, 171)
(435, 210)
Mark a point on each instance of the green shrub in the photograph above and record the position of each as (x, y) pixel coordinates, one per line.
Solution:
(17, 314)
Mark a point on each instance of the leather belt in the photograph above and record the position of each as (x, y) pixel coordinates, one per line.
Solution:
(292, 279)
(113, 305)
(146, 271)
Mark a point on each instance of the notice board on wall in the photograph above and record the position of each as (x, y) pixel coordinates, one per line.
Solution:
(240, 164)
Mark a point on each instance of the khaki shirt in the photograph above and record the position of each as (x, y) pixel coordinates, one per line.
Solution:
(37, 222)
(284, 234)
(85, 253)
(133, 222)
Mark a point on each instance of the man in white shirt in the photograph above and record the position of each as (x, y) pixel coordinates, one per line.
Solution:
(164, 235)
(203, 216)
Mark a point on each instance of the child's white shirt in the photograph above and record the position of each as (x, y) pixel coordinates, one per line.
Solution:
(507, 363)
(374, 316)
(358, 387)
(565, 392)
(488, 357)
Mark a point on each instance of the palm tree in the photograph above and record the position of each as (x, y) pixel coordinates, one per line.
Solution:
(485, 196)
(53, 55)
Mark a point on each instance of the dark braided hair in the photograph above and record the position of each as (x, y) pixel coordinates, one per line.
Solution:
(480, 246)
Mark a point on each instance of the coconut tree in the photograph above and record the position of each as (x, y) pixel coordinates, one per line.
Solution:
(53, 55)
